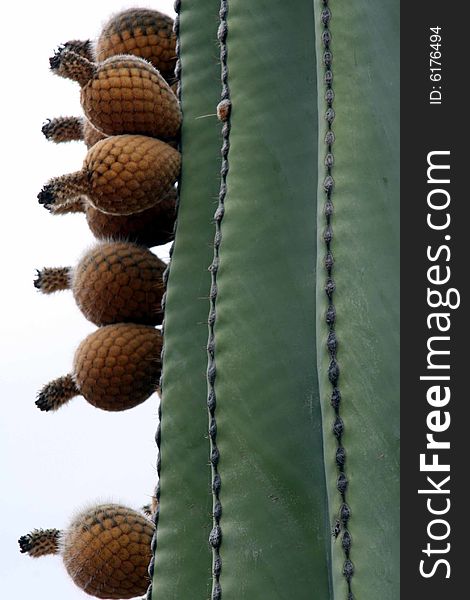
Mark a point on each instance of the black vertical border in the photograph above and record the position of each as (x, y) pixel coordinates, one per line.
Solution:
(426, 128)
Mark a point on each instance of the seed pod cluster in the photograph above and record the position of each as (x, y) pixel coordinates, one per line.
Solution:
(124, 91)
(126, 188)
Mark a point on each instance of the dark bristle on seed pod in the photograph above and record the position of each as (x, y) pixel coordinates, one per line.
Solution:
(46, 197)
(54, 61)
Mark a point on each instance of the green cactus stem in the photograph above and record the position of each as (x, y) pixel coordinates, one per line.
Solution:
(302, 311)
(363, 117)
(183, 570)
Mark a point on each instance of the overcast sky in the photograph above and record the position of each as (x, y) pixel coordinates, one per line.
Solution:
(51, 465)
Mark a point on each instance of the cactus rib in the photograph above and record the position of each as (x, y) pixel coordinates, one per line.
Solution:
(325, 69)
(359, 44)
(183, 570)
(215, 537)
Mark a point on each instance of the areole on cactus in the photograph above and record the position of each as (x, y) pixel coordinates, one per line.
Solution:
(302, 352)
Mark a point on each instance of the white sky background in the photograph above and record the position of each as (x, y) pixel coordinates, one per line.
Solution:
(51, 465)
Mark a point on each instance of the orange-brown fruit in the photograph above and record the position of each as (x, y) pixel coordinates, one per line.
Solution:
(123, 94)
(106, 550)
(141, 32)
(151, 227)
(137, 31)
(114, 282)
(121, 175)
(68, 129)
(115, 368)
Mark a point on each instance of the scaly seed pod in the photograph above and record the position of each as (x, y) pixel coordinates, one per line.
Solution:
(115, 282)
(121, 175)
(141, 32)
(151, 227)
(115, 368)
(123, 94)
(68, 129)
(137, 31)
(106, 550)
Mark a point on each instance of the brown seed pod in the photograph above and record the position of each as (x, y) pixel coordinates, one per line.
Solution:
(114, 282)
(151, 227)
(115, 368)
(123, 94)
(141, 32)
(137, 31)
(68, 129)
(121, 175)
(106, 550)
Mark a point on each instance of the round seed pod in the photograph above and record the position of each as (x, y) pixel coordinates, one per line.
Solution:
(114, 282)
(151, 227)
(119, 282)
(106, 550)
(141, 32)
(115, 368)
(118, 366)
(123, 94)
(121, 175)
(130, 173)
(128, 95)
(138, 31)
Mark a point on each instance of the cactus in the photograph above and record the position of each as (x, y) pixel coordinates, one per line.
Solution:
(114, 282)
(115, 368)
(105, 549)
(121, 175)
(302, 351)
(123, 94)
